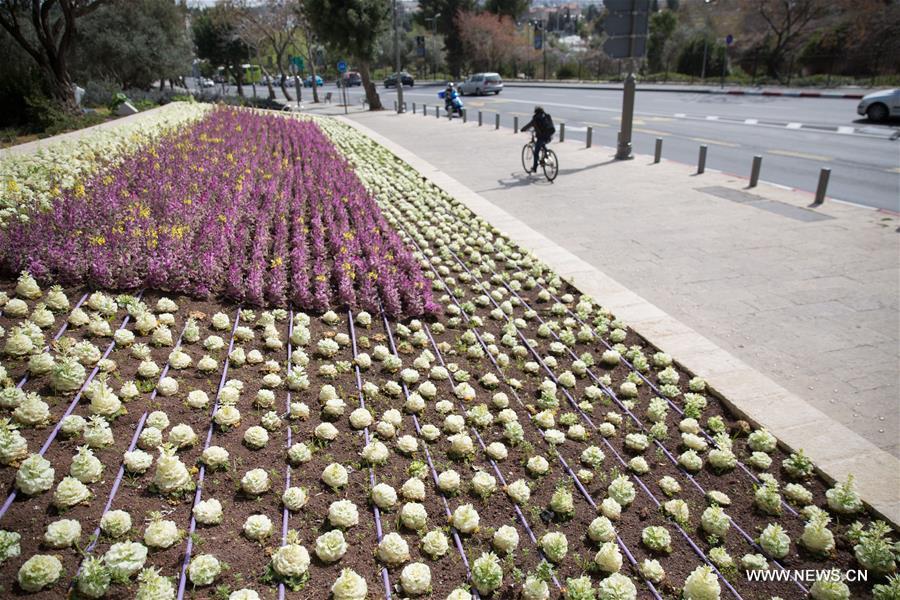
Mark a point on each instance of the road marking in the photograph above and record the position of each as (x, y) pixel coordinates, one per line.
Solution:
(680, 115)
(894, 170)
(716, 142)
(803, 155)
(659, 119)
(794, 125)
(598, 124)
(844, 129)
(712, 118)
(651, 131)
(751, 121)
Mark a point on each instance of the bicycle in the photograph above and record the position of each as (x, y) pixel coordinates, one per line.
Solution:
(547, 160)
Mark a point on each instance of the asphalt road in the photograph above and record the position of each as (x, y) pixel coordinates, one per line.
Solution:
(796, 137)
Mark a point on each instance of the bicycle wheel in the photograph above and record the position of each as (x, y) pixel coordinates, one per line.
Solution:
(528, 156)
(551, 166)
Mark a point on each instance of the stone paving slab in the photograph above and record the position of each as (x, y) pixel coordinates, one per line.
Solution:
(626, 197)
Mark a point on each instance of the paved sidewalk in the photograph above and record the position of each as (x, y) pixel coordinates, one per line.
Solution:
(807, 297)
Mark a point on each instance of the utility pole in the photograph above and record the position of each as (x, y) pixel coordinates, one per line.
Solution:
(434, 43)
(397, 57)
(627, 27)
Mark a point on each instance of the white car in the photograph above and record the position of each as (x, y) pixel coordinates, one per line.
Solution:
(879, 106)
(482, 83)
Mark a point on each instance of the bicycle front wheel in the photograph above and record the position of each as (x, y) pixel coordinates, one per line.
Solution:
(551, 166)
(528, 156)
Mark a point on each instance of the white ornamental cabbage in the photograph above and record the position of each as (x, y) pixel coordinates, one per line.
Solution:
(375, 453)
(9, 545)
(124, 559)
(137, 461)
(97, 433)
(291, 560)
(331, 546)
(349, 586)
(215, 457)
(256, 437)
(32, 411)
(38, 572)
(299, 453)
(343, 513)
(483, 484)
(294, 498)
(94, 579)
(204, 569)
(487, 575)
(70, 492)
(701, 584)
(617, 587)
(197, 399)
(335, 476)
(360, 418)
(416, 579)
(448, 481)
(153, 586)
(505, 539)
(555, 546)
(161, 533)
(35, 475)
(115, 523)
(86, 467)
(384, 496)
(171, 476)
(465, 519)
(413, 489)
(63, 533)
(414, 516)
(609, 558)
(435, 544)
(258, 527)
(255, 482)
(393, 549)
(601, 530)
(535, 589)
(208, 512)
(519, 491)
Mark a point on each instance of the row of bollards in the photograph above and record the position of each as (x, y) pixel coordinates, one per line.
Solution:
(755, 168)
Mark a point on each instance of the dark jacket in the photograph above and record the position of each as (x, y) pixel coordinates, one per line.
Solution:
(543, 126)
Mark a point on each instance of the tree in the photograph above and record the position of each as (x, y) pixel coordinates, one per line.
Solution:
(488, 40)
(353, 26)
(134, 44)
(447, 26)
(272, 24)
(662, 24)
(48, 37)
(786, 23)
(218, 41)
(508, 8)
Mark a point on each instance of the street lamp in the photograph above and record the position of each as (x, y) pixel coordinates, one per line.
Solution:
(399, 81)
(538, 25)
(433, 43)
(705, 42)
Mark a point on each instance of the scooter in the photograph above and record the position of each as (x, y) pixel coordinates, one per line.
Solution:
(452, 105)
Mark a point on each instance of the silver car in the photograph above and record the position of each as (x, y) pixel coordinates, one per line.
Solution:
(482, 83)
(880, 106)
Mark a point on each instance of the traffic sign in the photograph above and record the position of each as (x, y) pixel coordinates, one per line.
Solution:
(729, 39)
(342, 66)
(538, 40)
(626, 5)
(620, 47)
(619, 23)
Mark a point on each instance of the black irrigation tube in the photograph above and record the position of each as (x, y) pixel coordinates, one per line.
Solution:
(609, 392)
(362, 404)
(69, 409)
(518, 510)
(137, 432)
(434, 474)
(58, 335)
(182, 581)
(587, 419)
(694, 546)
(668, 400)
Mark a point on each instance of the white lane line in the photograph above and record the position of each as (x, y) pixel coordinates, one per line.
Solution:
(803, 155)
(845, 129)
(680, 115)
(794, 125)
(712, 118)
(751, 121)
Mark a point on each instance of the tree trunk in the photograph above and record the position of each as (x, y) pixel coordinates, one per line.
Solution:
(271, 88)
(283, 84)
(62, 87)
(315, 86)
(371, 95)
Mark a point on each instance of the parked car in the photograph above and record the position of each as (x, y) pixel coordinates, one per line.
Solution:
(406, 78)
(880, 106)
(308, 81)
(350, 79)
(206, 82)
(482, 83)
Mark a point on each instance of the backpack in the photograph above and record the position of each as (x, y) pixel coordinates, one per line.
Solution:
(545, 126)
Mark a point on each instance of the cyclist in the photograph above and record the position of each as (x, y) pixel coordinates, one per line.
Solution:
(544, 130)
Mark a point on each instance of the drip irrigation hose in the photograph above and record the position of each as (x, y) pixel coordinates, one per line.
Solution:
(286, 514)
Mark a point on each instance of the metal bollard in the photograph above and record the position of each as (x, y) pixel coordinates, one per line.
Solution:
(414, 108)
(437, 112)
(657, 153)
(497, 121)
(515, 124)
(590, 136)
(424, 110)
(403, 107)
(754, 170)
(824, 174)
(479, 118)
(395, 106)
(701, 161)
(449, 115)
(562, 132)
(465, 116)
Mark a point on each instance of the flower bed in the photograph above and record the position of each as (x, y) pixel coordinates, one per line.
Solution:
(524, 443)
(205, 211)
(35, 181)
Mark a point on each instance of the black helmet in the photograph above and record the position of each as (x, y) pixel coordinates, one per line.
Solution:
(538, 110)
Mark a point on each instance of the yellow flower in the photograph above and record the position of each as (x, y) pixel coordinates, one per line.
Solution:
(276, 262)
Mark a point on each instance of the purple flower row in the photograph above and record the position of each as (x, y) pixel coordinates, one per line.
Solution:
(256, 208)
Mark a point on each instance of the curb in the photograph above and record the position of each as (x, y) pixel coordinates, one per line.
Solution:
(747, 392)
(792, 94)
